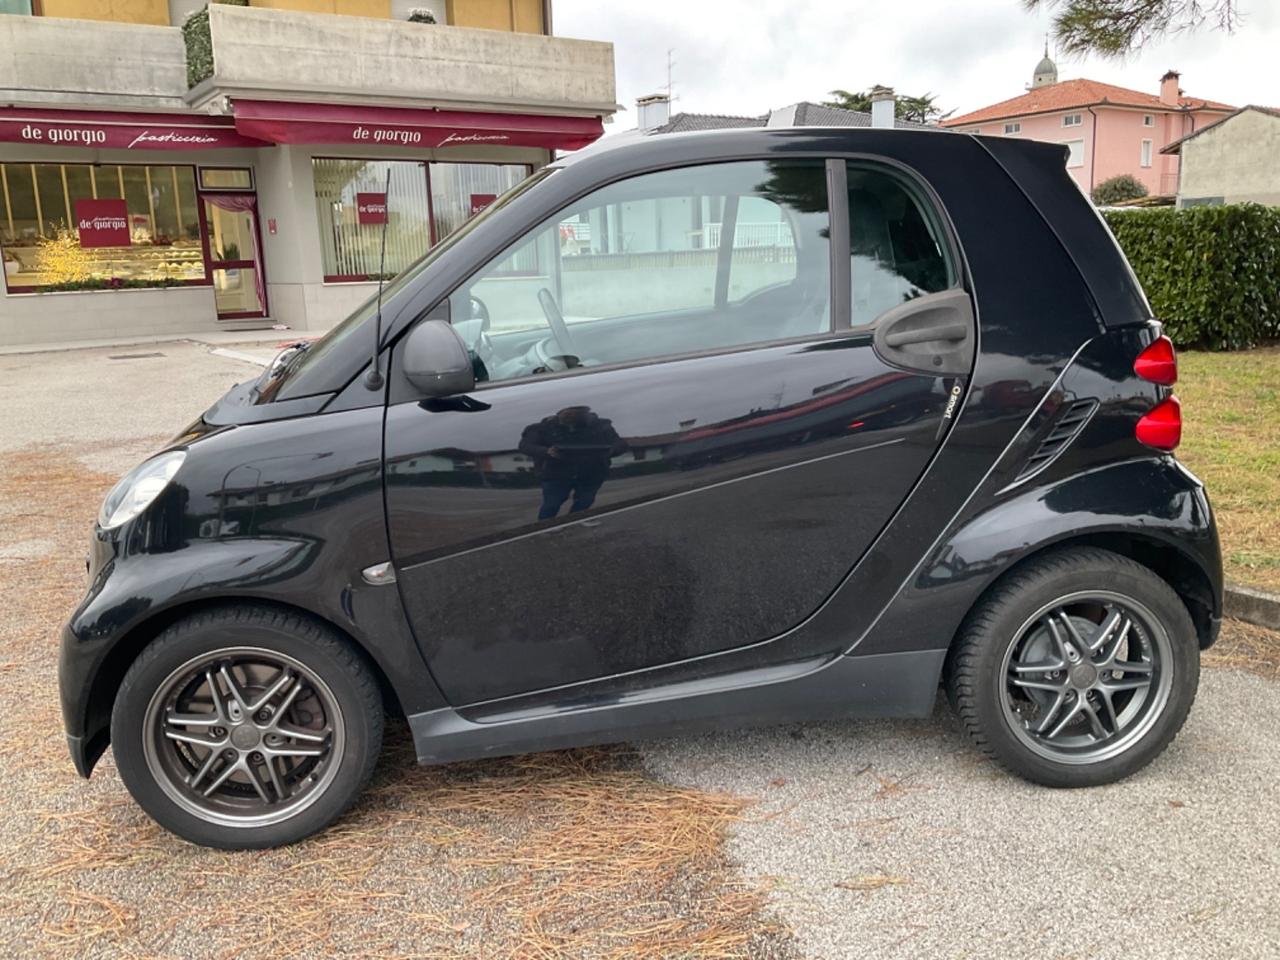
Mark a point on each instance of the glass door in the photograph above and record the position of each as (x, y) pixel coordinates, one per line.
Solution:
(235, 257)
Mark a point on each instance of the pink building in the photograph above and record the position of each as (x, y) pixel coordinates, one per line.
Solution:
(1109, 130)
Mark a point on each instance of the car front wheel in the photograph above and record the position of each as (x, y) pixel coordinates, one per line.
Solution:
(245, 727)
(1078, 669)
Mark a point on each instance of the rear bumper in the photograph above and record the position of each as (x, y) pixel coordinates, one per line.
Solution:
(1215, 628)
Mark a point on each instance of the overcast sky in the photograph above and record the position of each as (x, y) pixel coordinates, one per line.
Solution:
(745, 57)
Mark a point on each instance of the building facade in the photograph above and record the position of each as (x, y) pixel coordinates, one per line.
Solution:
(167, 167)
(1107, 130)
(1233, 161)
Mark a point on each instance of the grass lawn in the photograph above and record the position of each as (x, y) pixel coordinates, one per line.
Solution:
(1231, 440)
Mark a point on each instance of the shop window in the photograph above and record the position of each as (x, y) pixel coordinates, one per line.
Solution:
(461, 190)
(226, 178)
(421, 207)
(354, 204)
(61, 230)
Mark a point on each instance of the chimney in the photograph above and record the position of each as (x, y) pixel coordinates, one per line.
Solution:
(1169, 92)
(882, 107)
(652, 111)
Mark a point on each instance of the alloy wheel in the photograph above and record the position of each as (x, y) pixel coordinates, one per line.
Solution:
(1086, 676)
(243, 736)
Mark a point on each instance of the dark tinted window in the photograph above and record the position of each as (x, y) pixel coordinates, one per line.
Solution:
(895, 243)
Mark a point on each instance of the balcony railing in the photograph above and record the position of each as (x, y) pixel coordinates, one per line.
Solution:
(283, 54)
(262, 52)
(88, 63)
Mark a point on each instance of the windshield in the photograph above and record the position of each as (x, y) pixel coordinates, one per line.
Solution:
(310, 374)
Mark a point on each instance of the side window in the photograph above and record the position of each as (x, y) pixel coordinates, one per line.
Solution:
(763, 251)
(896, 246)
(674, 262)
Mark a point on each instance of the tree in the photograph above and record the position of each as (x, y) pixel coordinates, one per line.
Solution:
(1115, 189)
(1114, 28)
(922, 109)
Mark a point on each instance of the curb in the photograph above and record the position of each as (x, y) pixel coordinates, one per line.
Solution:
(239, 355)
(1251, 605)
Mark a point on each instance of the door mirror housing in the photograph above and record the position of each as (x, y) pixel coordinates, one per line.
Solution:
(436, 360)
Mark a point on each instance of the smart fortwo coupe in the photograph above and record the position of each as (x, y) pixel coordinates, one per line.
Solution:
(688, 432)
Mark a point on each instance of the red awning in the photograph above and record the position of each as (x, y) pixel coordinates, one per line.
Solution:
(124, 131)
(287, 122)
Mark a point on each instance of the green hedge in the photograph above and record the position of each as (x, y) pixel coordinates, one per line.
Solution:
(1212, 274)
(195, 33)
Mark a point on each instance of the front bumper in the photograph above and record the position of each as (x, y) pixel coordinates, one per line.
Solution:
(80, 755)
(87, 737)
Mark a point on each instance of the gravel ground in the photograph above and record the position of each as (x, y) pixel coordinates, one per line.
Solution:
(115, 412)
(956, 859)
(876, 839)
(575, 854)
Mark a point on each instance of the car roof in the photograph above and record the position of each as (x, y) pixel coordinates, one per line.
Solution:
(745, 141)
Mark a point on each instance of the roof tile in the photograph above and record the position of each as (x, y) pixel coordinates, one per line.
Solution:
(685, 122)
(1075, 93)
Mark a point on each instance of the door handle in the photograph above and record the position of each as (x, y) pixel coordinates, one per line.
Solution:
(933, 334)
(950, 332)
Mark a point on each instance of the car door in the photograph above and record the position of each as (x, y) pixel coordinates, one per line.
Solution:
(702, 393)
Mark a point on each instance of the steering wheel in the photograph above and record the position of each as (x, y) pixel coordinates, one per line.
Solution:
(555, 320)
(483, 347)
(480, 312)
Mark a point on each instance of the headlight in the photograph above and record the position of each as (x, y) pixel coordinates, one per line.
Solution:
(138, 488)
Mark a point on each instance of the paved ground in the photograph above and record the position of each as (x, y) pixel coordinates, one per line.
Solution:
(877, 840)
(963, 861)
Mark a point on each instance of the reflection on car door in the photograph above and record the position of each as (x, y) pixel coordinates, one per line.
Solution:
(712, 458)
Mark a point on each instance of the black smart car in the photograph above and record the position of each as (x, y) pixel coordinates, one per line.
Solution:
(688, 432)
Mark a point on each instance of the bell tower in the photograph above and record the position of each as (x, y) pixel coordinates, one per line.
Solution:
(1046, 70)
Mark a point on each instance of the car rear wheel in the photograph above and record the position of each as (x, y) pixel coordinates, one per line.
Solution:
(247, 727)
(1078, 669)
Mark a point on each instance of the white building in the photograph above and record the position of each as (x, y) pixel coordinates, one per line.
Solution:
(1232, 161)
(231, 172)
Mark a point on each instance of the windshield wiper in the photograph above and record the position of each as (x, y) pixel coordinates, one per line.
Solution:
(287, 358)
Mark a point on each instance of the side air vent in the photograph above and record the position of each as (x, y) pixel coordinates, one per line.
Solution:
(1068, 427)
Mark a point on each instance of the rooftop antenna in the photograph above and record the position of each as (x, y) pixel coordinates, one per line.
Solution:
(374, 380)
(670, 85)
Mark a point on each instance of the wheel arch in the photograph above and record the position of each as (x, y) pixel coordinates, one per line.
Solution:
(116, 663)
(1171, 563)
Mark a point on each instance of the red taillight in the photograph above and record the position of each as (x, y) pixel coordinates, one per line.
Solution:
(1158, 363)
(1162, 427)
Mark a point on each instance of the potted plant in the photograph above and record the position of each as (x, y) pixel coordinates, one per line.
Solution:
(421, 15)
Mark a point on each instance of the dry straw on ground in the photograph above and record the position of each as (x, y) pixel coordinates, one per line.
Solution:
(571, 854)
(1246, 647)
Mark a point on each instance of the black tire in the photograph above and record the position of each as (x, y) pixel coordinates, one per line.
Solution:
(350, 690)
(978, 670)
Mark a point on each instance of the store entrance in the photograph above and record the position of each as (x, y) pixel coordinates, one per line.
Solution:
(235, 254)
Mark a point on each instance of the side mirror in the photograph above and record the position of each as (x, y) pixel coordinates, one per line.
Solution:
(436, 360)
